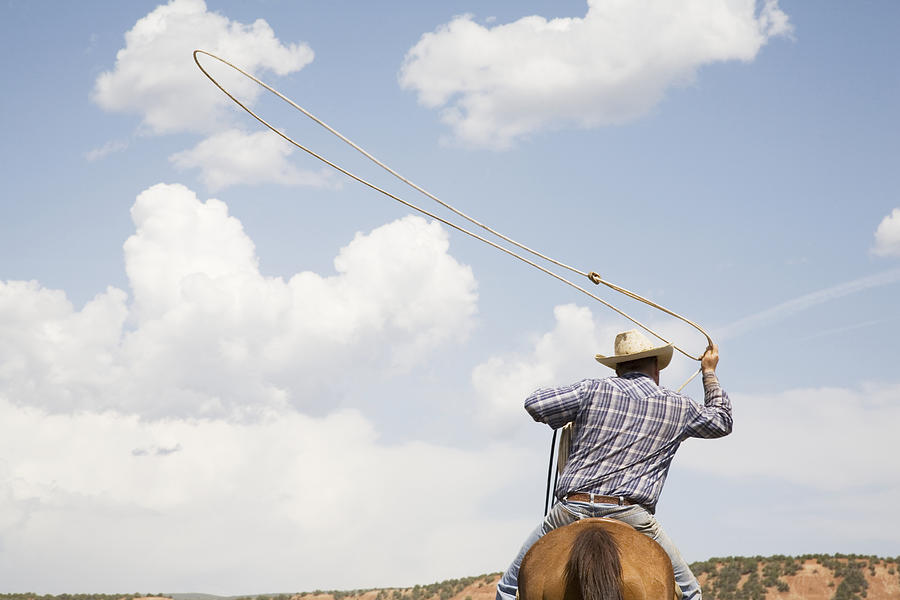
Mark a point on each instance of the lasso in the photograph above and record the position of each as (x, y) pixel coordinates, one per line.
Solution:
(591, 275)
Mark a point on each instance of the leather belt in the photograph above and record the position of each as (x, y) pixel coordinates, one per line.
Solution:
(598, 499)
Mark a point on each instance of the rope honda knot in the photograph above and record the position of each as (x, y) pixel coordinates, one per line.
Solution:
(595, 277)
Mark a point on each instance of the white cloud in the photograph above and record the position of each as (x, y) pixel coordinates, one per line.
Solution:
(155, 75)
(830, 443)
(234, 157)
(887, 236)
(561, 356)
(564, 353)
(105, 150)
(497, 84)
(830, 439)
(283, 504)
(124, 419)
(52, 353)
(207, 335)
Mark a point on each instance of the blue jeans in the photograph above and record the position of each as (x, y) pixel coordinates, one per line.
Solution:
(565, 512)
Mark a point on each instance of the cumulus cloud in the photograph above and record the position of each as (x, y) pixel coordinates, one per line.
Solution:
(827, 438)
(497, 84)
(155, 76)
(288, 500)
(887, 236)
(200, 418)
(561, 356)
(205, 334)
(828, 443)
(503, 381)
(235, 157)
(53, 353)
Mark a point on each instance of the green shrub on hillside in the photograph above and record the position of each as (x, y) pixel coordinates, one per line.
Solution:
(724, 575)
(33, 596)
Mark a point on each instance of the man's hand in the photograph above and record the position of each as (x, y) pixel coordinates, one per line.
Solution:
(710, 359)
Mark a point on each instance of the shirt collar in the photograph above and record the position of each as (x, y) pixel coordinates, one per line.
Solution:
(635, 375)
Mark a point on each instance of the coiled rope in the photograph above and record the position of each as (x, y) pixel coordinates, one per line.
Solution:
(592, 276)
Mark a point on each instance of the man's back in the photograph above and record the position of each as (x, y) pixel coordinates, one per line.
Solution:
(627, 429)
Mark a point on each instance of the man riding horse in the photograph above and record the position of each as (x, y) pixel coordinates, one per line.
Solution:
(626, 431)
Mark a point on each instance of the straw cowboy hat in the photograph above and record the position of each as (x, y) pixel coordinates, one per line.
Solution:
(633, 345)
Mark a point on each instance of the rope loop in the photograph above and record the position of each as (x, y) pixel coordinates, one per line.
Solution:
(593, 276)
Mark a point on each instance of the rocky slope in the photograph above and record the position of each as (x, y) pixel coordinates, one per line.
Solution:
(811, 577)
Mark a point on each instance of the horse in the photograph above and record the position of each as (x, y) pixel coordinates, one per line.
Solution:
(596, 559)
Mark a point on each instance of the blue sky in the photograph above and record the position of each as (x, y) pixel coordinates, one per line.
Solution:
(257, 375)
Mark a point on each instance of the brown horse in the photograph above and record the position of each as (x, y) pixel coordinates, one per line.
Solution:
(596, 559)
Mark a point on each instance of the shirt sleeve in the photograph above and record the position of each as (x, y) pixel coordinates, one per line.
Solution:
(558, 406)
(713, 419)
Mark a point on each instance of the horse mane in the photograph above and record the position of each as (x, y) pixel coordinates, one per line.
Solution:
(594, 567)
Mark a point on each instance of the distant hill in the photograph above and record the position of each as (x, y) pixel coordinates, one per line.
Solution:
(810, 577)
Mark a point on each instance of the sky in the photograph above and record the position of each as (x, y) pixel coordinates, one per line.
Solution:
(227, 368)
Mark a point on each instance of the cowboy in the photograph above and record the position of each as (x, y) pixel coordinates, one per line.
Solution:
(626, 431)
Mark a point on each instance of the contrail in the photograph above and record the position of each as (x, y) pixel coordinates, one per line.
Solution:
(846, 328)
(802, 303)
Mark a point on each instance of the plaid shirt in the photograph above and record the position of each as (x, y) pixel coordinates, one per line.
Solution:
(627, 430)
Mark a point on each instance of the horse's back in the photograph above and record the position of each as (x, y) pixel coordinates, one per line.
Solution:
(646, 568)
